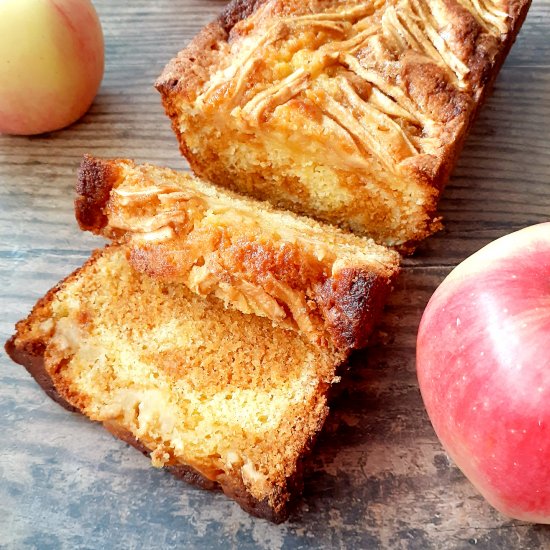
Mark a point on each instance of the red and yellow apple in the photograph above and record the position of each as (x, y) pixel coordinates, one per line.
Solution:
(51, 63)
(483, 362)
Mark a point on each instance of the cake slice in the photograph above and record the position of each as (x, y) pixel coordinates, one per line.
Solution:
(312, 278)
(217, 397)
(352, 112)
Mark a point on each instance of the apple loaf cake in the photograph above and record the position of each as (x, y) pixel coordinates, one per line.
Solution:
(352, 112)
(220, 398)
(305, 276)
(209, 333)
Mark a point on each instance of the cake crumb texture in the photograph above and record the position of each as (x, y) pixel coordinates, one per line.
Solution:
(201, 388)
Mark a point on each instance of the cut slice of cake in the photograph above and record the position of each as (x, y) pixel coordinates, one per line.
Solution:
(220, 398)
(313, 278)
(352, 112)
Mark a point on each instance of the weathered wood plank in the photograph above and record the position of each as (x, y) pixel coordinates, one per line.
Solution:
(378, 477)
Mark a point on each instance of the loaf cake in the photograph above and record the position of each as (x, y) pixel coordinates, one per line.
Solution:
(220, 398)
(352, 112)
(209, 333)
(299, 274)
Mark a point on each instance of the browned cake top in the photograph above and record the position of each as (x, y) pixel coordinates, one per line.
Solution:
(300, 274)
(390, 85)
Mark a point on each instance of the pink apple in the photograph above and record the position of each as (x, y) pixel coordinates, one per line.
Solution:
(483, 361)
(51, 63)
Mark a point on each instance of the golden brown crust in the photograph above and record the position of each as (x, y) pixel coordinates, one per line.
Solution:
(484, 66)
(191, 68)
(236, 11)
(31, 356)
(446, 91)
(338, 304)
(353, 301)
(94, 182)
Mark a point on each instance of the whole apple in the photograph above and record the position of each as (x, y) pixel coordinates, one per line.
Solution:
(51, 63)
(483, 362)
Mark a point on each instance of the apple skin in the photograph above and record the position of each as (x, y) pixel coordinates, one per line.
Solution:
(483, 364)
(51, 63)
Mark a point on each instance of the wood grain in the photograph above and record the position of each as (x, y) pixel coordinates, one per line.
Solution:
(378, 477)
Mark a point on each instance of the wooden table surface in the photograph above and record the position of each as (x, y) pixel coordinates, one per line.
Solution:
(378, 477)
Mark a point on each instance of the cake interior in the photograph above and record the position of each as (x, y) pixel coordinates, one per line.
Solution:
(230, 395)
